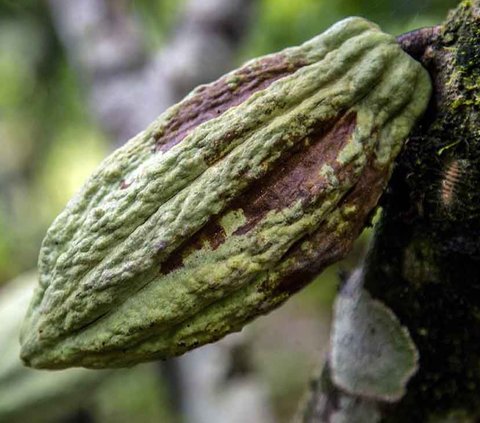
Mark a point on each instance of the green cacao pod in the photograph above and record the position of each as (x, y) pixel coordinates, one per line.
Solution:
(28, 395)
(228, 203)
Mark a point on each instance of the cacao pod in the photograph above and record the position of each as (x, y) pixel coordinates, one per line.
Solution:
(228, 203)
(28, 395)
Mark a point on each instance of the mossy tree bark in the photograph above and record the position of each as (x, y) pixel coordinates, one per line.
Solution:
(424, 263)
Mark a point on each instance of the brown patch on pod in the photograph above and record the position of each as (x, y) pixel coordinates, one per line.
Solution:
(303, 262)
(296, 177)
(210, 101)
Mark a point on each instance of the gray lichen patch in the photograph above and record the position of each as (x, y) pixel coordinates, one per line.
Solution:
(372, 355)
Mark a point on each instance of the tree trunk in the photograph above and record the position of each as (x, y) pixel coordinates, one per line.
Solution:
(423, 269)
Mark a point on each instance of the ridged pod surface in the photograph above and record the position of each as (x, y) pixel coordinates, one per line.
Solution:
(27, 395)
(232, 200)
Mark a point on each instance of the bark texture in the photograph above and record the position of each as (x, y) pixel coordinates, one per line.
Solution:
(425, 259)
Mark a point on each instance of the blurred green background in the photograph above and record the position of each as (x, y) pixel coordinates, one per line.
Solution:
(50, 142)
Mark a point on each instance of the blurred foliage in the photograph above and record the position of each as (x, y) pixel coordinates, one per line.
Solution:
(133, 395)
(158, 19)
(49, 143)
(280, 23)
